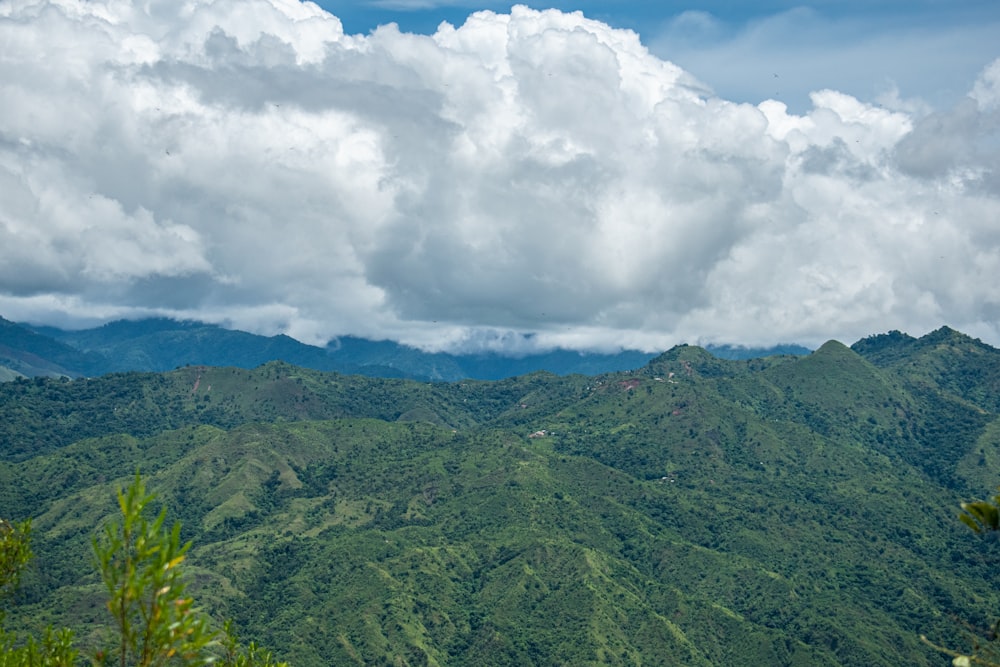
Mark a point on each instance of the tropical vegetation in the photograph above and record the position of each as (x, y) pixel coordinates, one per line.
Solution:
(785, 510)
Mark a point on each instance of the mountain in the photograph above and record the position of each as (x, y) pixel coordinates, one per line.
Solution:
(964, 366)
(159, 344)
(25, 352)
(8, 374)
(163, 344)
(693, 511)
(736, 352)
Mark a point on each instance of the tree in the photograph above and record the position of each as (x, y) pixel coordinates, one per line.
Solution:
(15, 552)
(981, 516)
(156, 623)
(251, 656)
(140, 564)
(55, 648)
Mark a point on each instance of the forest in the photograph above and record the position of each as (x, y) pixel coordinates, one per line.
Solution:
(784, 510)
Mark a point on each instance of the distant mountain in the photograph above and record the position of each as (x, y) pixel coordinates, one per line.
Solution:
(28, 353)
(783, 510)
(8, 374)
(164, 344)
(965, 366)
(736, 352)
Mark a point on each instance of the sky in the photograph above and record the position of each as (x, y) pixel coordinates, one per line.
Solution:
(457, 176)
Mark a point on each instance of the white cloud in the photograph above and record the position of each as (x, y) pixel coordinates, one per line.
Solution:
(986, 92)
(246, 162)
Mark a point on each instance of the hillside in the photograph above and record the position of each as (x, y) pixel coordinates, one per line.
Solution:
(28, 353)
(162, 345)
(695, 511)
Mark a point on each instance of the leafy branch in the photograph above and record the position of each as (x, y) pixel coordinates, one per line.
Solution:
(15, 552)
(140, 563)
(156, 622)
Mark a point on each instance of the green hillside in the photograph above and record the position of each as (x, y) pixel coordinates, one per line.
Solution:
(32, 354)
(696, 511)
(8, 374)
(159, 344)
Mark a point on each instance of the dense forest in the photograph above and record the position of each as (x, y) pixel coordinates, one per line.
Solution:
(786, 510)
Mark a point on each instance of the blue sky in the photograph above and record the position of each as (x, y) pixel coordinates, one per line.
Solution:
(522, 178)
(928, 49)
(425, 15)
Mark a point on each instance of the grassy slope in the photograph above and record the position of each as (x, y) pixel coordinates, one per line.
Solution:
(697, 511)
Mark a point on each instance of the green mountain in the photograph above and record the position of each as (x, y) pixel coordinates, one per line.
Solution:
(695, 511)
(966, 368)
(161, 345)
(25, 352)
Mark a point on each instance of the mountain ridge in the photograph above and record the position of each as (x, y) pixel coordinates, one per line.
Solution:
(694, 510)
(160, 344)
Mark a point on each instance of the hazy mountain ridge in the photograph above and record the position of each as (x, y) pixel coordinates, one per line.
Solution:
(31, 354)
(696, 510)
(159, 344)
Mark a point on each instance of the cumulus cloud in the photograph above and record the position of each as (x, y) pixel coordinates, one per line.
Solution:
(521, 181)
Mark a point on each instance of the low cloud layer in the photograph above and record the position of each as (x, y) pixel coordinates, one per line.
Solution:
(245, 162)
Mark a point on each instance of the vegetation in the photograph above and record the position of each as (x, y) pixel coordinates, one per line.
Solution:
(140, 564)
(162, 345)
(155, 623)
(982, 516)
(15, 552)
(695, 511)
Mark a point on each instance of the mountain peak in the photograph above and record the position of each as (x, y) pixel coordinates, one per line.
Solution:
(832, 362)
(834, 347)
(947, 335)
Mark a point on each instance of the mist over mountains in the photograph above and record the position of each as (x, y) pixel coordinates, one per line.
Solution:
(164, 344)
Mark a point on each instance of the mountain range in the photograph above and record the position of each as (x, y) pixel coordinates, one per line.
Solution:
(785, 510)
(164, 344)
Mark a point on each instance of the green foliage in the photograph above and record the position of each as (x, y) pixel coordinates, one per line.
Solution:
(140, 563)
(156, 623)
(345, 520)
(981, 515)
(55, 648)
(163, 344)
(236, 655)
(15, 552)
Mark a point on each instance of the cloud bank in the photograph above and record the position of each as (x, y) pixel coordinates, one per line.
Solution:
(534, 176)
